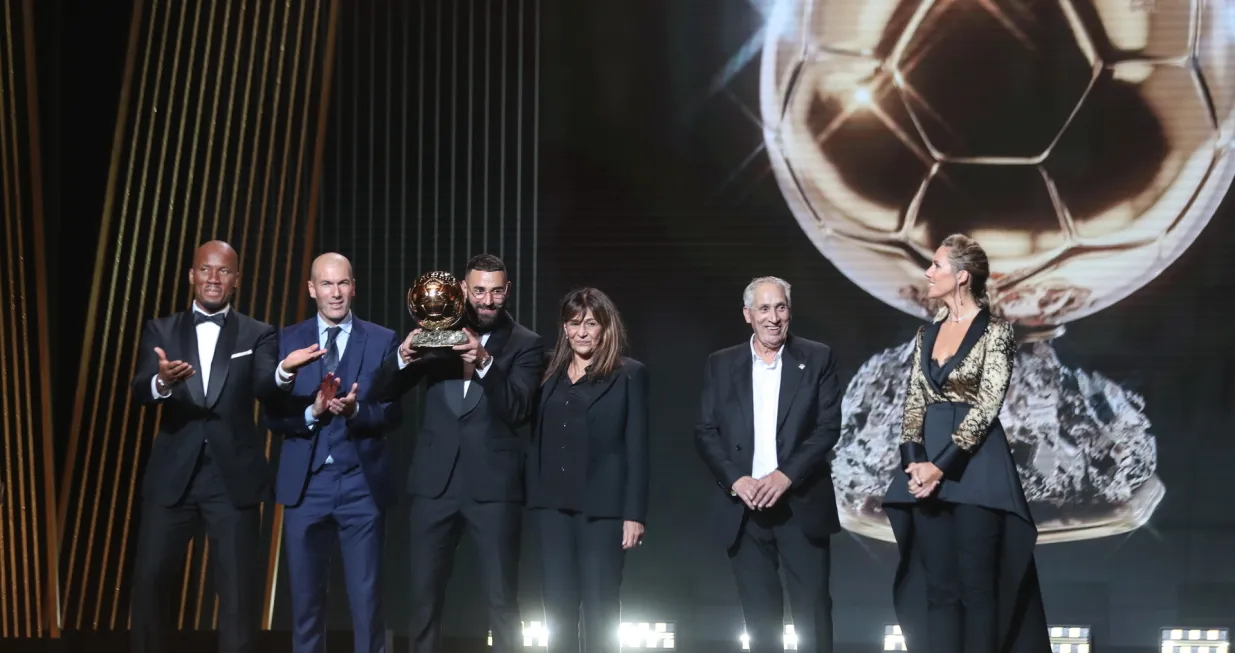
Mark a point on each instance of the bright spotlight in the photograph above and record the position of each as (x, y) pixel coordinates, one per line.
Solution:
(647, 635)
(893, 638)
(1070, 639)
(1196, 640)
(790, 639)
(535, 634)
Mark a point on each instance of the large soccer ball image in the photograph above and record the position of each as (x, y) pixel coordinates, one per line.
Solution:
(1084, 143)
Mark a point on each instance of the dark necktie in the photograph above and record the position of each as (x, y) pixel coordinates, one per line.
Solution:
(217, 318)
(332, 349)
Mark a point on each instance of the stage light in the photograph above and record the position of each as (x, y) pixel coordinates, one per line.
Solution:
(535, 634)
(647, 635)
(1196, 640)
(1070, 639)
(790, 639)
(893, 638)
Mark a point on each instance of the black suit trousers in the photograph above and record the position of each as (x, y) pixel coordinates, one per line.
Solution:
(768, 539)
(960, 547)
(437, 524)
(581, 567)
(162, 537)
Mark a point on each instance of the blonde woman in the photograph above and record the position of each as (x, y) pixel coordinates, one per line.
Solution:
(966, 582)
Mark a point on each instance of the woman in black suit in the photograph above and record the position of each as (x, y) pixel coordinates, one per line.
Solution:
(966, 581)
(588, 473)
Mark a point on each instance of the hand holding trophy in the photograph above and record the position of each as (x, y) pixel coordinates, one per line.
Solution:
(436, 302)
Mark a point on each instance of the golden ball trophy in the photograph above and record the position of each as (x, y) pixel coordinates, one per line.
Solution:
(1085, 145)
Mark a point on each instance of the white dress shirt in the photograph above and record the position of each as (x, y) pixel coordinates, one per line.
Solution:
(480, 371)
(766, 388)
(207, 340)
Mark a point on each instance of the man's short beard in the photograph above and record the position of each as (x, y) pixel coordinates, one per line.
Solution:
(481, 322)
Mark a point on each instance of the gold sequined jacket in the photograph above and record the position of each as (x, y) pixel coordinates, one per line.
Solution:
(978, 374)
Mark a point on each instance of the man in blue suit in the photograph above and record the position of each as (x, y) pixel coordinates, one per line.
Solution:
(335, 478)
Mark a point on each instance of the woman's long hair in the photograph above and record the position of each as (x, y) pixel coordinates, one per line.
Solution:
(607, 355)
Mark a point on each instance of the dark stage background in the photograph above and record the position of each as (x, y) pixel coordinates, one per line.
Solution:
(618, 145)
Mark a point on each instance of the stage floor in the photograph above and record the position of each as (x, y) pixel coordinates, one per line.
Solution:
(340, 642)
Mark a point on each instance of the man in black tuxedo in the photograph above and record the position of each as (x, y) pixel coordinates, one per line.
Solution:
(467, 466)
(205, 366)
(770, 415)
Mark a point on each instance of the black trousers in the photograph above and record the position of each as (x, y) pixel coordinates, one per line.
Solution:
(768, 539)
(436, 527)
(960, 547)
(164, 533)
(581, 566)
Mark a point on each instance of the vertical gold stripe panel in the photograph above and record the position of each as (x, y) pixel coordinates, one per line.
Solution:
(28, 554)
(212, 136)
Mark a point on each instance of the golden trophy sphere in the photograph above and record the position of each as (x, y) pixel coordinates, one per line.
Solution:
(1084, 143)
(436, 301)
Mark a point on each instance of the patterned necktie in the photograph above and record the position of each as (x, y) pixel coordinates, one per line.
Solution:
(332, 349)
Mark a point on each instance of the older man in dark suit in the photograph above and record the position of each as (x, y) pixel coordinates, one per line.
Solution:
(770, 415)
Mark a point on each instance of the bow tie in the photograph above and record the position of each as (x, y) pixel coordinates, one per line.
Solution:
(217, 318)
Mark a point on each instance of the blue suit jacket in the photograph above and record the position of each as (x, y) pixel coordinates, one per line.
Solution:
(367, 346)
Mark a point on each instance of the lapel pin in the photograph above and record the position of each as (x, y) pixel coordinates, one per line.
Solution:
(801, 366)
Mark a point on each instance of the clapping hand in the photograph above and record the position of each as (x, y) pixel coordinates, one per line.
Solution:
(172, 372)
(344, 406)
(325, 395)
(301, 357)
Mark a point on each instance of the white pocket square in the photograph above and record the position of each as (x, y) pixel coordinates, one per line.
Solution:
(242, 353)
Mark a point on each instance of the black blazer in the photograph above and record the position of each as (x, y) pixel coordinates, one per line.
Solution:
(616, 482)
(808, 426)
(243, 370)
(480, 430)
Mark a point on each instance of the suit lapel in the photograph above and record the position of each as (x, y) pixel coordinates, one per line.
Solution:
(353, 357)
(469, 401)
(498, 338)
(603, 386)
(453, 387)
(222, 358)
(188, 353)
(928, 347)
(744, 386)
(974, 333)
(793, 366)
(545, 391)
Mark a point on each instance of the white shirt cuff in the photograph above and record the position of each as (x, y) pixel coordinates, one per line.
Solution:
(402, 363)
(309, 419)
(283, 378)
(154, 389)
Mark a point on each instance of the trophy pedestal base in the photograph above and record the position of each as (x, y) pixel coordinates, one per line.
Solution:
(1083, 450)
(441, 338)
